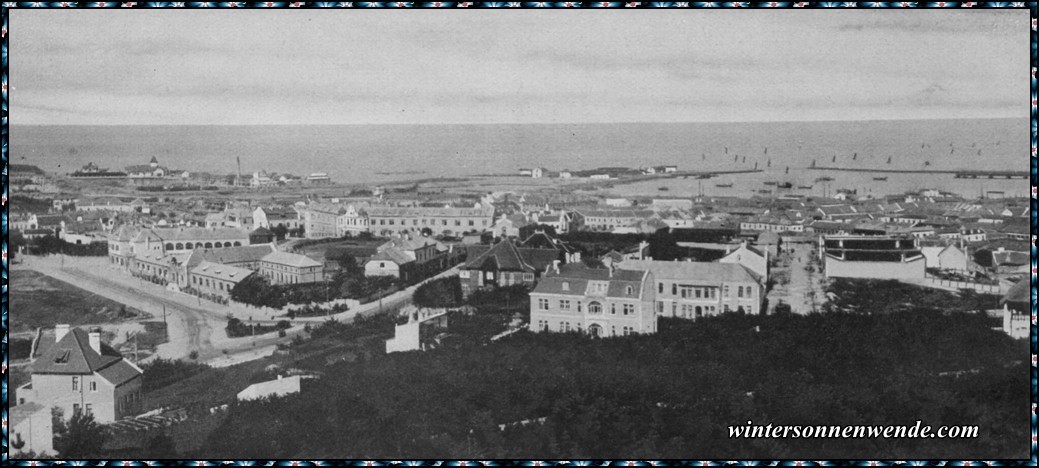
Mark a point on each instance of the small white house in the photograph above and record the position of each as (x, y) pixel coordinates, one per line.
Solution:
(272, 388)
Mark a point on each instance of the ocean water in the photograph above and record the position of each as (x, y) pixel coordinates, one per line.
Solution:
(372, 153)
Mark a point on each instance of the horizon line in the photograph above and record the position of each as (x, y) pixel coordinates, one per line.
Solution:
(510, 123)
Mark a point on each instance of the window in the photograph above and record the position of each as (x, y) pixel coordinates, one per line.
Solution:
(566, 285)
(578, 306)
(613, 330)
(75, 384)
(93, 386)
(528, 277)
(629, 309)
(660, 307)
(628, 290)
(674, 289)
(739, 291)
(75, 408)
(564, 305)
(698, 292)
(613, 309)
(90, 409)
(660, 288)
(726, 292)
(594, 308)
(542, 304)
(464, 274)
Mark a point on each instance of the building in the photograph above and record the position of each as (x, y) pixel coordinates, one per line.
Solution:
(75, 372)
(30, 430)
(319, 178)
(170, 240)
(290, 268)
(558, 220)
(214, 279)
(698, 289)
(271, 389)
(608, 220)
(271, 218)
(319, 220)
(407, 258)
(516, 225)
(948, 257)
(871, 257)
(505, 264)
(384, 220)
(598, 301)
(147, 171)
(421, 322)
(753, 259)
(1017, 310)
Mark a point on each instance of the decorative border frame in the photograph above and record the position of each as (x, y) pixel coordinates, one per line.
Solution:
(4, 128)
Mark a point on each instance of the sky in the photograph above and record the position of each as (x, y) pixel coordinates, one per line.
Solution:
(389, 66)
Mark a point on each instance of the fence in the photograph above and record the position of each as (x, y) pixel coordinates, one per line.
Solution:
(979, 287)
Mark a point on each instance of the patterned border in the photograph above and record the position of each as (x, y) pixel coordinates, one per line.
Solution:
(4, 8)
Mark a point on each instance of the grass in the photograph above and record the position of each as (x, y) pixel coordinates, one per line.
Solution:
(42, 301)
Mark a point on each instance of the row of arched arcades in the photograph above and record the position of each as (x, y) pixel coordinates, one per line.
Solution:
(201, 245)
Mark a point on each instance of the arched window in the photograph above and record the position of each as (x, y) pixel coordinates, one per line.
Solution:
(180, 246)
(628, 290)
(198, 245)
(237, 244)
(218, 245)
(169, 246)
(595, 331)
(699, 312)
(594, 308)
(209, 245)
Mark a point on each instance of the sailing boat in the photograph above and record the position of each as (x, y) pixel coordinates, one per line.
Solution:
(834, 159)
(766, 150)
(889, 159)
(788, 169)
(813, 163)
(737, 158)
(726, 150)
(744, 160)
(854, 156)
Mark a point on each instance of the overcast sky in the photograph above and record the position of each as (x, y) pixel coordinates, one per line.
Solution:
(529, 66)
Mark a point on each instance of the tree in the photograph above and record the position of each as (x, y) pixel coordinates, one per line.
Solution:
(280, 231)
(80, 437)
(662, 246)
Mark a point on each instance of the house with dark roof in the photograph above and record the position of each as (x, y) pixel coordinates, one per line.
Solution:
(601, 302)
(75, 372)
(507, 263)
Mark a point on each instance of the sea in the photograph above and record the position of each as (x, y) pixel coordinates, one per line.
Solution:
(367, 154)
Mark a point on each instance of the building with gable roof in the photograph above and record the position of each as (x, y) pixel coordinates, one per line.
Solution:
(507, 264)
(697, 289)
(75, 372)
(1017, 309)
(290, 268)
(598, 301)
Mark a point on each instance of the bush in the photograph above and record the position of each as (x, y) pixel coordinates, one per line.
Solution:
(443, 292)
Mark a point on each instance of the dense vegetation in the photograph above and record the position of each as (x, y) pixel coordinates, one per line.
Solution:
(661, 396)
(47, 245)
(258, 291)
(860, 295)
(237, 328)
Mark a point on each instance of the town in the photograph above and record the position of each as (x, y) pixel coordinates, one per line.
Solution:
(277, 279)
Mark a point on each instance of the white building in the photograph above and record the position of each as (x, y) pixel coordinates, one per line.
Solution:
(272, 388)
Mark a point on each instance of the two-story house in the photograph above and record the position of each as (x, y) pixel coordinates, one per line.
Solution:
(698, 289)
(76, 372)
(598, 301)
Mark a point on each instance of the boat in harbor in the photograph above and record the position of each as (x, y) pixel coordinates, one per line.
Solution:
(764, 191)
(804, 187)
(824, 179)
(771, 182)
(729, 185)
(881, 179)
(785, 185)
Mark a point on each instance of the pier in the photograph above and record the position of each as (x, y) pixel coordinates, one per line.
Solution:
(959, 174)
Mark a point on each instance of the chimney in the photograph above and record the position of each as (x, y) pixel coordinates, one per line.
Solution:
(555, 266)
(60, 331)
(95, 341)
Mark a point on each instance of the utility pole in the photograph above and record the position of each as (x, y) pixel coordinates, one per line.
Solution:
(165, 327)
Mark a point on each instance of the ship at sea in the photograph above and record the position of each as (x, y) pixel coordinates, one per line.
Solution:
(880, 179)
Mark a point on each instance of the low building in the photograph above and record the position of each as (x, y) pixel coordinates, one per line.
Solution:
(753, 259)
(290, 268)
(872, 257)
(214, 279)
(75, 372)
(408, 336)
(506, 264)
(947, 257)
(598, 301)
(279, 387)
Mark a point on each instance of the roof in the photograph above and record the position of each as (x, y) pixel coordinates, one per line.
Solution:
(1019, 292)
(573, 279)
(393, 255)
(271, 388)
(768, 238)
(388, 211)
(222, 272)
(712, 272)
(120, 372)
(407, 244)
(290, 259)
(233, 255)
(24, 411)
(73, 355)
(261, 231)
(502, 256)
